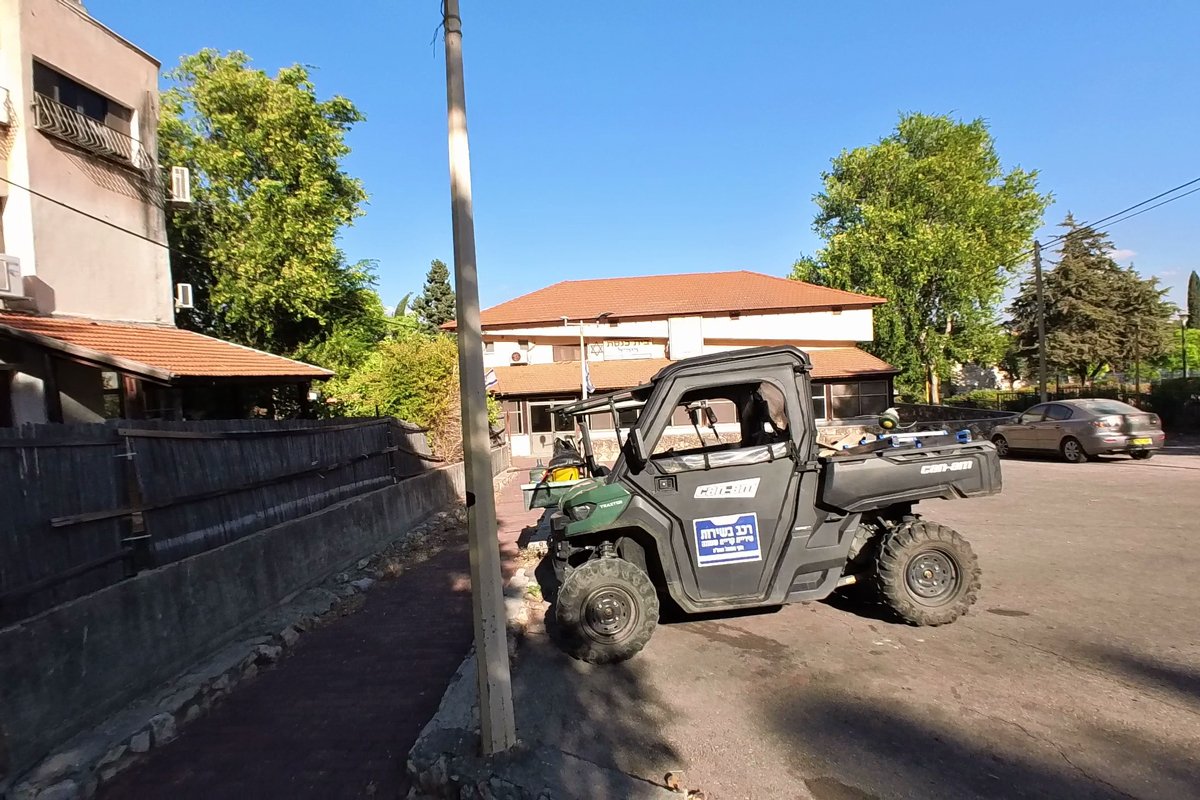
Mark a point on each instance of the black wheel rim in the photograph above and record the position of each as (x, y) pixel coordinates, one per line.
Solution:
(932, 577)
(610, 614)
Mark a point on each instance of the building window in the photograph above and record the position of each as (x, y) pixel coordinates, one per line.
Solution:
(544, 419)
(523, 344)
(861, 399)
(566, 352)
(112, 403)
(68, 110)
(489, 347)
(820, 413)
(514, 419)
(77, 97)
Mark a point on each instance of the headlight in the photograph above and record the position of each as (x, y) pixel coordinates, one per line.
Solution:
(581, 511)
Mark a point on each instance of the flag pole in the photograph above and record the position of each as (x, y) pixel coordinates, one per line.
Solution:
(583, 369)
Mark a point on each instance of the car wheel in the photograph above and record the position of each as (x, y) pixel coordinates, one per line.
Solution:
(927, 574)
(1001, 445)
(606, 611)
(1072, 451)
(1142, 455)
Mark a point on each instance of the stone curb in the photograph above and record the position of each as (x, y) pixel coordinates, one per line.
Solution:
(444, 763)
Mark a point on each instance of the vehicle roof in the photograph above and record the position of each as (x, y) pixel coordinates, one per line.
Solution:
(732, 357)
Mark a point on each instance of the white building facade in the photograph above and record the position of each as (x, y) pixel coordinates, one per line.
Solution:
(629, 328)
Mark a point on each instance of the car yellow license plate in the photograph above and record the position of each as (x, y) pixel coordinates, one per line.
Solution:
(1145, 440)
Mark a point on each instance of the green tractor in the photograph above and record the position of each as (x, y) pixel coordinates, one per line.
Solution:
(748, 511)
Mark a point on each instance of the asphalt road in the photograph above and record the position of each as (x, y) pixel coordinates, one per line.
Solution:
(1077, 675)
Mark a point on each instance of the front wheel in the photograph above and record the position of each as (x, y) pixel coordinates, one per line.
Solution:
(1001, 443)
(927, 574)
(606, 611)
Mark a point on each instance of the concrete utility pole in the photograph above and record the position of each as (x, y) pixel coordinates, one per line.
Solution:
(1041, 320)
(498, 726)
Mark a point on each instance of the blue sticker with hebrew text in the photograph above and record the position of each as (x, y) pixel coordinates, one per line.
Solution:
(731, 539)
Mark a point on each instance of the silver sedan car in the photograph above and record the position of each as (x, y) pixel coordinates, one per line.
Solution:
(1076, 429)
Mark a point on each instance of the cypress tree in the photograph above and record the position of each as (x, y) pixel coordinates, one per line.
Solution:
(1193, 301)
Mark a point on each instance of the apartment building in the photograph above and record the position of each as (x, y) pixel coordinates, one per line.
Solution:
(87, 303)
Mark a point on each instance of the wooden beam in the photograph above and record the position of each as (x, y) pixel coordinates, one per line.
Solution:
(87, 354)
(50, 396)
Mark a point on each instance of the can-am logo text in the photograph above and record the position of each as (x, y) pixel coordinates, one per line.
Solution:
(957, 466)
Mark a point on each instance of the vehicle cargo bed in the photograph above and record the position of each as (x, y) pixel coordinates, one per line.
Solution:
(862, 481)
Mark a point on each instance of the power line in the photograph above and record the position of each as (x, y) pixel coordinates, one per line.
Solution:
(1156, 205)
(93, 217)
(1135, 205)
(1092, 225)
(145, 238)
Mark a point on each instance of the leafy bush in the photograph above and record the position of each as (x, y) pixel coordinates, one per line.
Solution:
(413, 377)
(1176, 402)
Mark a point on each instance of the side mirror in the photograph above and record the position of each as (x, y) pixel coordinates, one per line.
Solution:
(635, 447)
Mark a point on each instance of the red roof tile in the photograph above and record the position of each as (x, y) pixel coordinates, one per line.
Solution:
(158, 350)
(670, 295)
(563, 377)
(847, 362)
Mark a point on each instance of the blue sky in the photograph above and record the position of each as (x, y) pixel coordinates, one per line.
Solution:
(628, 138)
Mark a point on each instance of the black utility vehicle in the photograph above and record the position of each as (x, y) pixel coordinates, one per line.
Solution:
(751, 512)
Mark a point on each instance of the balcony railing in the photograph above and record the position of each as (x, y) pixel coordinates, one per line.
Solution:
(64, 122)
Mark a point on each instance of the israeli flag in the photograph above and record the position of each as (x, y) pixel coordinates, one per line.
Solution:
(490, 380)
(587, 378)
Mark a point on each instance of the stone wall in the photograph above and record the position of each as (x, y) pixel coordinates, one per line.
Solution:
(71, 667)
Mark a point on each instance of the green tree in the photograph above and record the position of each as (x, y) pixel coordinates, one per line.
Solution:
(928, 219)
(435, 305)
(258, 242)
(1098, 315)
(1172, 357)
(413, 376)
(1193, 301)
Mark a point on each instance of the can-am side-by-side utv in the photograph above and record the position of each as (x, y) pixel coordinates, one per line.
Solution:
(752, 512)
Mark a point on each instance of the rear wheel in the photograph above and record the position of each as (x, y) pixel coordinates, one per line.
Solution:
(1072, 451)
(1142, 455)
(606, 611)
(1001, 445)
(927, 573)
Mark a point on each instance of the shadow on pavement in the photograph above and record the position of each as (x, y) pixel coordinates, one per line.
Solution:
(886, 748)
(608, 715)
(1177, 679)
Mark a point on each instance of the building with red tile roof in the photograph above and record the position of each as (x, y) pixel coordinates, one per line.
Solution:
(626, 329)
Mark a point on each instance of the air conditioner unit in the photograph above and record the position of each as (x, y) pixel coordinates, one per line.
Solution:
(520, 357)
(11, 282)
(183, 296)
(181, 186)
